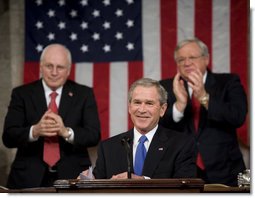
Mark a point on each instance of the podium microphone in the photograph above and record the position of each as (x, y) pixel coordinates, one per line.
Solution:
(126, 142)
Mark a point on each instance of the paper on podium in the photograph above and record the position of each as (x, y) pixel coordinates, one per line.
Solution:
(87, 174)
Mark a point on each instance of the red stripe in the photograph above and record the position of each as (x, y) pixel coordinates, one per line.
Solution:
(168, 12)
(101, 86)
(31, 71)
(135, 71)
(203, 23)
(239, 49)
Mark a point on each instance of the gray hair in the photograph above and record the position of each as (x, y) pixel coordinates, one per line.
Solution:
(148, 82)
(201, 45)
(69, 56)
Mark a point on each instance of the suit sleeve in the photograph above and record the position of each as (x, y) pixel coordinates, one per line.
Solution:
(86, 132)
(185, 164)
(100, 169)
(16, 129)
(228, 104)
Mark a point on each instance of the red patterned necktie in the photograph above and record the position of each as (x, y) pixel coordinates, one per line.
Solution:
(196, 115)
(51, 153)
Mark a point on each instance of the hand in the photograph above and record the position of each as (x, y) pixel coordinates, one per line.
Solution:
(195, 81)
(46, 127)
(51, 124)
(124, 175)
(180, 93)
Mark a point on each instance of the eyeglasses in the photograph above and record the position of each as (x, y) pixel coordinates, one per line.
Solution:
(59, 68)
(192, 59)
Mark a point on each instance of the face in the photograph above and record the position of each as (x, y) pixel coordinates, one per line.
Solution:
(54, 67)
(188, 59)
(145, 109)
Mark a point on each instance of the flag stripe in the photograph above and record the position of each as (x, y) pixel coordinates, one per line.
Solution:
(101, 86)
(203, 23)
(168, 37)
(239, 50)
(221, 36)
(185, 13)
(31, 71)
(84, 73)
(151, 44)
(118, 97)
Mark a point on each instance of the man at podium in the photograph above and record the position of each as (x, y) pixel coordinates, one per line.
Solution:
(148, 150)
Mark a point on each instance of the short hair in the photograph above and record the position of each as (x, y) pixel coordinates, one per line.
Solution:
(203, 47)
(69, 56)
(148, 82)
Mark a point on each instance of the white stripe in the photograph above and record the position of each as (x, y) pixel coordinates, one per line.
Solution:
(221, 36)
(185, 19)
(84, 73)
(151, 38)
(118, 98)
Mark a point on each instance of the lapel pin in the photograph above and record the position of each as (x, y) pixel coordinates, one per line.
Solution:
(160, 149)
(70, 94)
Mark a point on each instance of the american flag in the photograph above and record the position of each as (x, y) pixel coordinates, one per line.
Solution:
(115, 42)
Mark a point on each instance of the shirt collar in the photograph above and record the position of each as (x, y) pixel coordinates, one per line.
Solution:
(149, 135)
(48, 90)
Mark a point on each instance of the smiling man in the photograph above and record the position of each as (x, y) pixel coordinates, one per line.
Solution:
(209, 106)
(51, 122)
(166, 153)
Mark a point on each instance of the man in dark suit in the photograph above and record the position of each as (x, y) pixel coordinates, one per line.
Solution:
(223, 108)
(169, 153)
(28, 124)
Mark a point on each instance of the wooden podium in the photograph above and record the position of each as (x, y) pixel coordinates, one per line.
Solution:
(182, 185)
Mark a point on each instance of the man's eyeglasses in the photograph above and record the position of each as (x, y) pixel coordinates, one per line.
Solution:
(192, 59)
(59, 68)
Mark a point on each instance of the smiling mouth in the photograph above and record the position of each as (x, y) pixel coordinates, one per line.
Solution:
(142, 117)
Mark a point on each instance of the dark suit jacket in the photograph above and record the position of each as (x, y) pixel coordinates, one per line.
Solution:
(216, 138)
(170, 155)
(78, 110)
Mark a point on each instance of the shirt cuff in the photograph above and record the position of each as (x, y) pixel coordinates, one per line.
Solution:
(31, 138)
(70, 139)
(177, 115)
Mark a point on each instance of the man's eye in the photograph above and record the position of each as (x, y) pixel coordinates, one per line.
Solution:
(49, 66)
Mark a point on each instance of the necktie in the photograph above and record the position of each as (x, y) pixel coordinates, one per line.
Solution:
(196, 115)
(140, 156)
(51, 153)
(195, 112)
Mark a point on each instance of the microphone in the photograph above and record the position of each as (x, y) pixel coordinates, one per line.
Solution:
(126, 142)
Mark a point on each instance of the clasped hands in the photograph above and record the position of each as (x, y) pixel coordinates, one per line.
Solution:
(51, 124)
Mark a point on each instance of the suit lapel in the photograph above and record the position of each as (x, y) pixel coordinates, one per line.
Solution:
(156, 151)
(67, 98)
(38, 98)
(209, 87)
(188, 110)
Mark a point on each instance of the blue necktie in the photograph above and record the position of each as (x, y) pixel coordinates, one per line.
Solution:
(140, 156)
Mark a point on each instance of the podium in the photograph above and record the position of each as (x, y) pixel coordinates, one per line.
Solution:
(180, 185)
